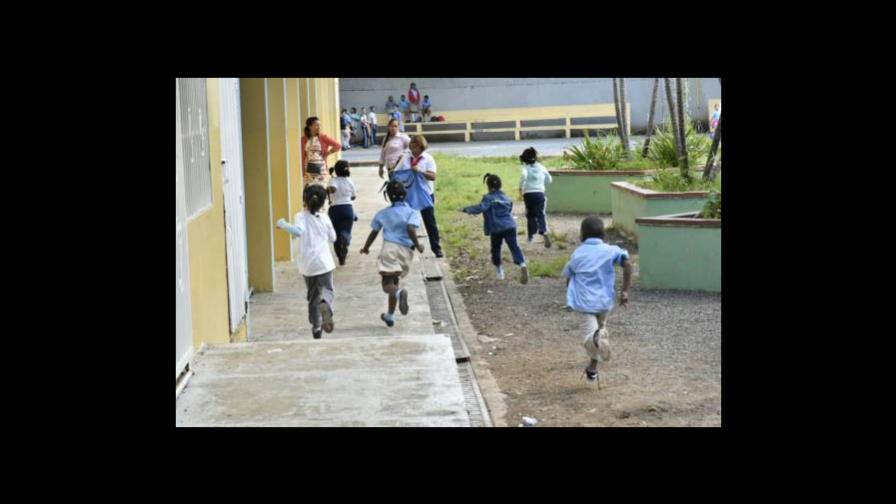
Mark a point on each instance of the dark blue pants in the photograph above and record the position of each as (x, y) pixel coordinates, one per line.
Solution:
(509, 236)
(432, 229)
(373, 133)
(342, 217)
(536, 218)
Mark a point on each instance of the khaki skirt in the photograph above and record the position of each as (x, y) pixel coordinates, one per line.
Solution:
(395, 259)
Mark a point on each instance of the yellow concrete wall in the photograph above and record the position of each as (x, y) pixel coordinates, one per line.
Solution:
(259, 231)
(277, 157)
(305, 108)
(337, 108)
(295, 129)
(241, 335)
(208, 263)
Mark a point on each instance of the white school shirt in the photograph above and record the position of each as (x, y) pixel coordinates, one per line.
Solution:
(345, 189)
(426, 164)
(372, 119)
(314, 256)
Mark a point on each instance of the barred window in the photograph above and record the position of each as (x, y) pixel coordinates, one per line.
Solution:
(194, 128)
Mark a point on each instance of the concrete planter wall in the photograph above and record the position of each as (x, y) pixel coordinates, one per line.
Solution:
(630, 202)
(680, 251)
(581, 191)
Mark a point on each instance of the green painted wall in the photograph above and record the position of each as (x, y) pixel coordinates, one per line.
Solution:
(582, 193)
(627, 207)
(687, 258)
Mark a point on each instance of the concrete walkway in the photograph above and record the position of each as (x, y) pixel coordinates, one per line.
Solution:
(361, 374)
(544, 146)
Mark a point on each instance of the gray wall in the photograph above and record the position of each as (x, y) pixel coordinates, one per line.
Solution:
(472, 93)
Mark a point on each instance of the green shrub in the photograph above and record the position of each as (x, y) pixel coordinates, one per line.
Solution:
(662, 146)
(598, 154)
(713, 207)
(670, 180)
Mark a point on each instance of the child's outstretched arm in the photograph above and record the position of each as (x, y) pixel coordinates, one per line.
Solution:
(412, 232)
(370, 238)
(478, 209)
(626, 281)
(290, 228)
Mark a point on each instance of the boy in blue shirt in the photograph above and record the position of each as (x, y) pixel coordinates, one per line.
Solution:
(497, 210)
(399, 223)
(591, 280)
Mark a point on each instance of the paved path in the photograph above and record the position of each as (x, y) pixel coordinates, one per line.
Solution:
(362, 374)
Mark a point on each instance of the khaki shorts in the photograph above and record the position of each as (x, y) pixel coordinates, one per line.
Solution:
(395, 259)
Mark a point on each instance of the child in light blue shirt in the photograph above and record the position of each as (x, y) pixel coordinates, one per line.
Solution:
(591, 280)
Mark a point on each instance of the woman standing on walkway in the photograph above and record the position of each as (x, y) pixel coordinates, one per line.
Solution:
(394, 146)
(316, 147)
(422, 163)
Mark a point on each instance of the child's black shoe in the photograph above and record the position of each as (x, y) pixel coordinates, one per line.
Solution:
(388, 322)
(316, 333)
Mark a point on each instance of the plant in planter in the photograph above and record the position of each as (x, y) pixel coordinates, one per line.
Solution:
(682, 251)
(662, 148)
(595, 165)
(713, 207)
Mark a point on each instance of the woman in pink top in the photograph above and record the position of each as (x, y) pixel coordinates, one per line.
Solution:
(394, 145)
(316, 147)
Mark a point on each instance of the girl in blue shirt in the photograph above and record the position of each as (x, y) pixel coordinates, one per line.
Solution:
(497, 211)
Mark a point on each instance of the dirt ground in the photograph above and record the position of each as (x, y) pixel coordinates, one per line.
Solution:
(665, 368)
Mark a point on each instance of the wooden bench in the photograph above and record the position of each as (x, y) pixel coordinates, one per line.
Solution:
(465, 119)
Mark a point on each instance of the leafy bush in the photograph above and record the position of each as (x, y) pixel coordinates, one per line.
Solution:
(597, 154)
(713, 207)
(662, 146)
(669, 180)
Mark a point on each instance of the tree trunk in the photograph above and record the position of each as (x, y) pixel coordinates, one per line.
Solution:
(650, 116)
(625, 126)
(616, 105)
(673, 116)
(682, 131)
(709, 172)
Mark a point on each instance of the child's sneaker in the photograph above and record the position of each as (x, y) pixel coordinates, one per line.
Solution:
(403, 301)
(316, 333)
(499, 273)
(389, 321)
(547, 241)
(524, 273)
(327, 313)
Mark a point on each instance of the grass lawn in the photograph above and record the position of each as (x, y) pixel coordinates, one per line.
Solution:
(460, 184)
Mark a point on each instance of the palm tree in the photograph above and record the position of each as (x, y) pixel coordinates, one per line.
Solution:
(673, 116)
(624, 116)
(681, 129)
(616, 105)
(650, 115)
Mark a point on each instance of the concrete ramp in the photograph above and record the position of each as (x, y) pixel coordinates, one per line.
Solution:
(387, 381)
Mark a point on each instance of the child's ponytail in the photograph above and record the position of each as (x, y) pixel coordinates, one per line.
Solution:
(315, 195)
(493, 182)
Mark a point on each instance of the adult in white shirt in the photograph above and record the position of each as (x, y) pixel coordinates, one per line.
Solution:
(422, 162)
(372, 123)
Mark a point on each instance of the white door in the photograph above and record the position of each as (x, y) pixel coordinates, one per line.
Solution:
(234, 211)
(183, 347)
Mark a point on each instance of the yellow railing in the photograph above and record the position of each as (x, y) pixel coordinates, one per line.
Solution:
(466, 118)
